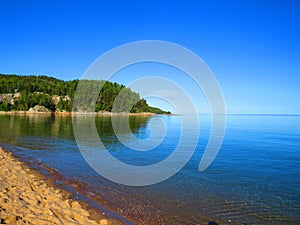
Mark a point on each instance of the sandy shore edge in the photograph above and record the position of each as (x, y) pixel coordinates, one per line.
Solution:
(26, 198)
(146, 114)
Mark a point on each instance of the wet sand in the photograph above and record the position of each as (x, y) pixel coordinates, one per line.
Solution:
(26, 198)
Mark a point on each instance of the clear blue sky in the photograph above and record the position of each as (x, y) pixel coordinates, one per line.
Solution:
(253, 47)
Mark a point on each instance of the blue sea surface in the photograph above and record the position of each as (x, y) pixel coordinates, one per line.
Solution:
(254, 179)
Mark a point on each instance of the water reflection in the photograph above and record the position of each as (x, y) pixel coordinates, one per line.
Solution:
(61, 126)
(254, 179)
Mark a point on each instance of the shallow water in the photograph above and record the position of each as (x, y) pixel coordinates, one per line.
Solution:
(253, 180)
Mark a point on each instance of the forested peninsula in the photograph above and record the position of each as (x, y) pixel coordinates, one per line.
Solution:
(48, 94)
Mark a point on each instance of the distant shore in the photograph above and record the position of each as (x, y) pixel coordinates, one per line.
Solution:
(78, 113)
(26, 198)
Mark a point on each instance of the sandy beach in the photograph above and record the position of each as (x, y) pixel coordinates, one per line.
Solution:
(26, 198)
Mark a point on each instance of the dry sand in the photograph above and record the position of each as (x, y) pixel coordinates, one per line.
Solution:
(25, 198)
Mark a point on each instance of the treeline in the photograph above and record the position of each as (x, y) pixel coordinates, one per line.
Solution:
(25, 92)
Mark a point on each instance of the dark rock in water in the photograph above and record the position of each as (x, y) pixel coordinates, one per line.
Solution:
(212, 223)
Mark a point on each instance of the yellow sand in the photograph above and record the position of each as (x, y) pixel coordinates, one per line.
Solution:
(25, 198)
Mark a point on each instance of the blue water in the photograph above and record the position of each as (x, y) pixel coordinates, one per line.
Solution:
(254, 179)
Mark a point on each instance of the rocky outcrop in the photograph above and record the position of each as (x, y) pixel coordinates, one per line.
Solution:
(39, 108)
(56, 101)
(9, 98)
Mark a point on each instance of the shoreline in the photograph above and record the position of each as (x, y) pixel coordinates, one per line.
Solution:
(27, 197)
(147, 114)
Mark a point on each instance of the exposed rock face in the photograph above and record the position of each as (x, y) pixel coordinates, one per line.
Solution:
(66, 98)
(17, 95)
(39, 108)
(10, 98)
(55, 99)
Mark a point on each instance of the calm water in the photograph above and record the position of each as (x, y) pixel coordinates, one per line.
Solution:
(255, 178)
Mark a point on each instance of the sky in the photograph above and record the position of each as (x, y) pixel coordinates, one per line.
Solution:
(252, 47)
